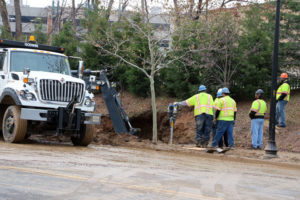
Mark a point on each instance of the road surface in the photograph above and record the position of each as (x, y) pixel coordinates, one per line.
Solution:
(47, 171)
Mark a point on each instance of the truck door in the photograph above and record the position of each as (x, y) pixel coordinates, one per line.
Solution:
(3, 70)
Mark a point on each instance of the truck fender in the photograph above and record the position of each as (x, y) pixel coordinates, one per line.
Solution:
(10, 97)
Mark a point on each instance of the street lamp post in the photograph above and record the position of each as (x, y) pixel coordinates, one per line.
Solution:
(271, 149)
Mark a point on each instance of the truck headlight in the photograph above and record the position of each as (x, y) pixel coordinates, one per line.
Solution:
(25, 95)
(88, 102)
(29, 96)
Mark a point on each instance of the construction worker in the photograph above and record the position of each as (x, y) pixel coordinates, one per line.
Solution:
(226, 115)
(215, 124)
(282, 98)
(257, 115)
(203, 111)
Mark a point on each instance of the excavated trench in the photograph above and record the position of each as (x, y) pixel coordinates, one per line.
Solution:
(143, 122)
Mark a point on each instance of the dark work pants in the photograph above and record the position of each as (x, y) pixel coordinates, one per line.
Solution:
(203, 128)
(225, 137)
(224, 126)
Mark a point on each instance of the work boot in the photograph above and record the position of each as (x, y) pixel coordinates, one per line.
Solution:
(210, 149)
(251, 148)
(229, 148)
(200, 144)
(280, 126)
(205, 144)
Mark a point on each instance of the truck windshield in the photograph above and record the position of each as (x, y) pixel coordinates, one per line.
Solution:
(39, 62)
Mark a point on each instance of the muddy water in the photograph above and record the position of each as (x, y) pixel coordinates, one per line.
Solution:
(61, 171)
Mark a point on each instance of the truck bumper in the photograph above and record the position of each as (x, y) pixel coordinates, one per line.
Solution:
(64, 118)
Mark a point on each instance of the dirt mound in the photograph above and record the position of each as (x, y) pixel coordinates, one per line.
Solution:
(139, 110)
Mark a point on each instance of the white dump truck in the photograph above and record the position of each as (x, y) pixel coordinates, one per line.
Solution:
(39, 95)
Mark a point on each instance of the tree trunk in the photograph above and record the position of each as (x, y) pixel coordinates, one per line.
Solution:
(110, 4)
(190, 12)
(199, 10)
(177, 15)
(18, 19)
(143, 6)
(4, 16)
(154, 112)
(206, 9)
(124, 5)
(74, 15)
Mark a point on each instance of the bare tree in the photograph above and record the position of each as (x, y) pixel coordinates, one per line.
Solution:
(122, 9)
(151, 57)
(109, 8)
(57, 24)
(224, 61)
(125, 4)
(74, 15)
(18, 19)
(95, 3)
(191, 8)
(177, 11)
(60, 14)
(4, 16)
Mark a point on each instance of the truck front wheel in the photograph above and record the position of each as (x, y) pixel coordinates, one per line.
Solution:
(14, 128)
(86, 135)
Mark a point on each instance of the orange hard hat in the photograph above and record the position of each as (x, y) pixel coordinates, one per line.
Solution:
(284, 75)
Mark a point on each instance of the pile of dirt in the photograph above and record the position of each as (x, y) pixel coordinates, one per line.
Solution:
(139, 111)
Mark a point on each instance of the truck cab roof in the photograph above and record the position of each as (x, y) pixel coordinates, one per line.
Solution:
(30, 45)
(35, 51)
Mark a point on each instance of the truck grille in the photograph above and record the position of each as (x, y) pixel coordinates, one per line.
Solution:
(54, 90)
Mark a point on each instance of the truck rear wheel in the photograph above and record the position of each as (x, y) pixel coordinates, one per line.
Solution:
(86, 135)
(14, 128)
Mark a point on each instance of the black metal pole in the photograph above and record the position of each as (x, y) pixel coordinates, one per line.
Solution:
(271, 149)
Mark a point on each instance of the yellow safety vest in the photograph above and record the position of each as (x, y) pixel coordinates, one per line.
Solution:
(202, 102)
(259, 106)
(284, 89)
(227, 108)
(216, 103)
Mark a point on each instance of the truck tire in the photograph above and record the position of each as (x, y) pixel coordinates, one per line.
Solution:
(14, 129)
(86, 135)
(2, 110)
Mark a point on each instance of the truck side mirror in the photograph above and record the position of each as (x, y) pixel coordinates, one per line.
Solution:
(80, 69)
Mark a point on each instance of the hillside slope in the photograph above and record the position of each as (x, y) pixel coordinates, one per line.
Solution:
(139, 110)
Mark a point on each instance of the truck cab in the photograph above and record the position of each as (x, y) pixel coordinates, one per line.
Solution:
(38, 94)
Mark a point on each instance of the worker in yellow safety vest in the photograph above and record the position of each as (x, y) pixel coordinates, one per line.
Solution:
(203, 111)
(215, 124)
(282, 98)
(257, 115)
(225, 115)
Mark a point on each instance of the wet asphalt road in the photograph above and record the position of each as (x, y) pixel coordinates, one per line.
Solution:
(43, 171)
